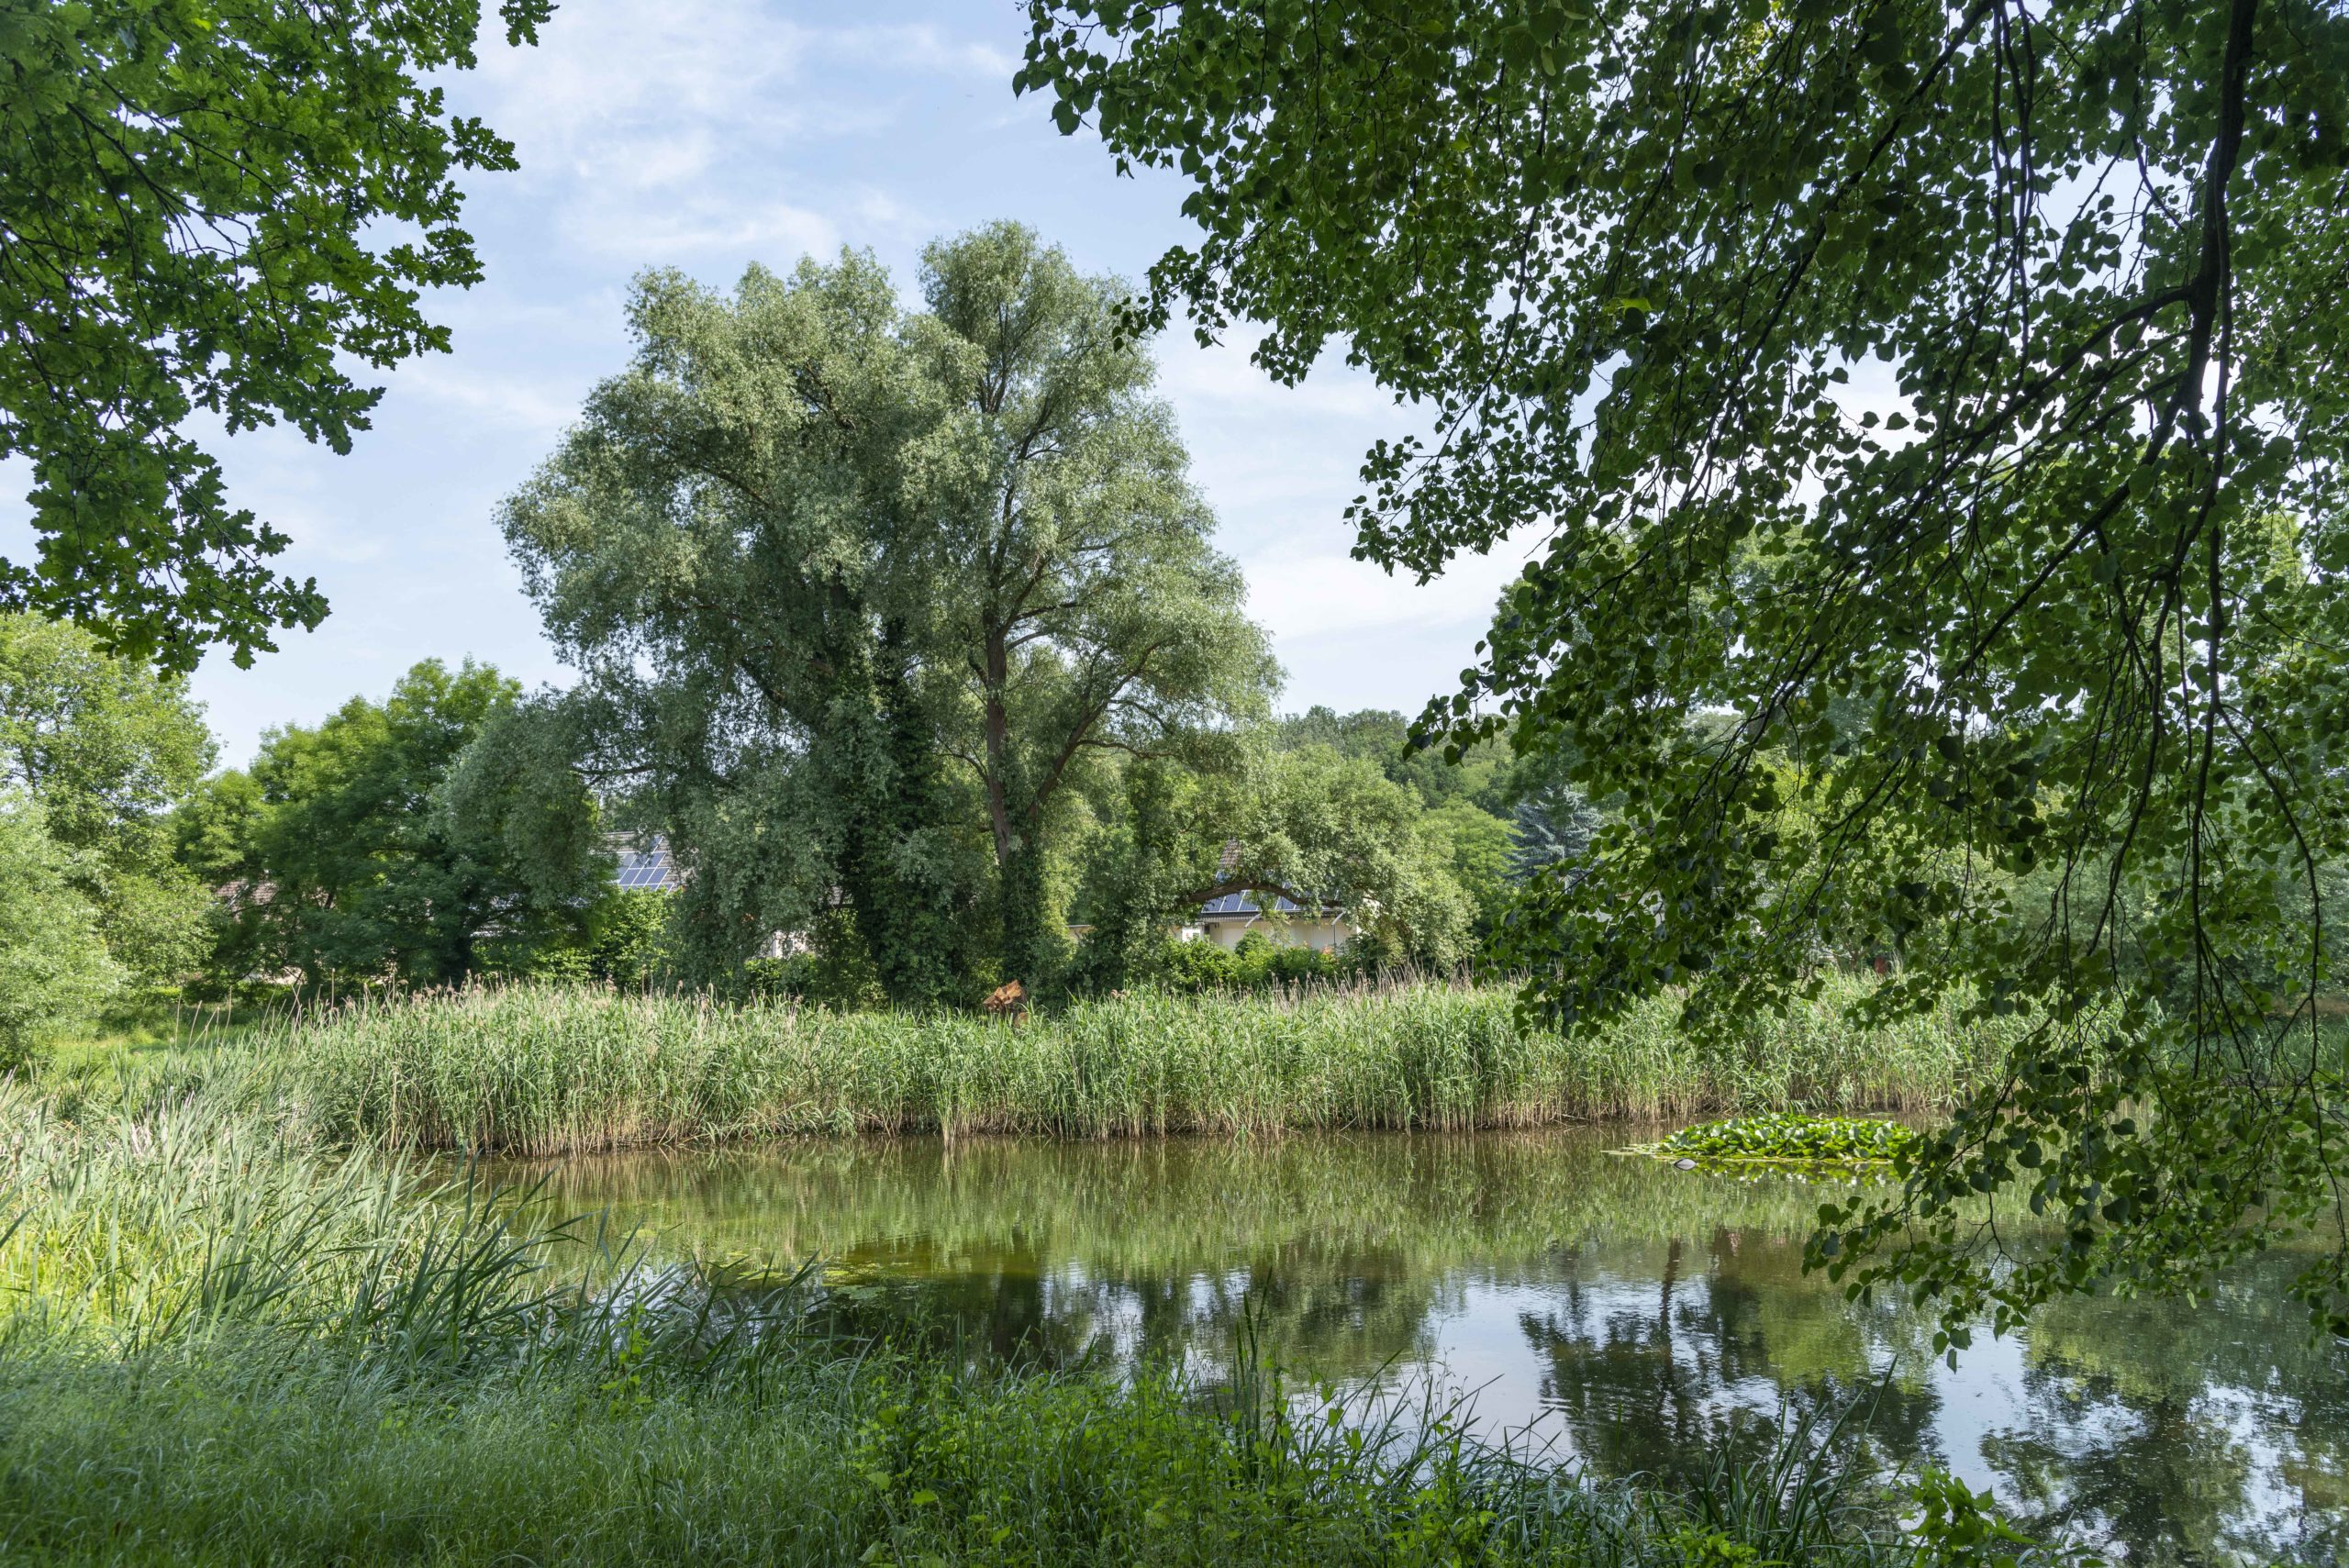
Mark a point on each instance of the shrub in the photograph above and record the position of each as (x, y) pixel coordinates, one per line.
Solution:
(55, 972)
(1256, 962)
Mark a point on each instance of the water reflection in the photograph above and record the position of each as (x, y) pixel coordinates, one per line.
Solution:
(1631, 1313)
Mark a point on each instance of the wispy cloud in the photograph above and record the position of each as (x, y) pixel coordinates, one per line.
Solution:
(663, 133)
(1307, 595)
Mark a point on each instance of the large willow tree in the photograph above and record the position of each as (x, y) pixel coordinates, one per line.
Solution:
(1954, 394)
(857, 592)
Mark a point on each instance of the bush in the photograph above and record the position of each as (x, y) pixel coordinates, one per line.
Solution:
(55, 972)
(1258, 961)
(832, 971)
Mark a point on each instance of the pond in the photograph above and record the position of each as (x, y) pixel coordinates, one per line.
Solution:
(1625, 1312)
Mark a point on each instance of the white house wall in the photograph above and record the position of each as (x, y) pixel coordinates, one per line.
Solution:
(1317, 934)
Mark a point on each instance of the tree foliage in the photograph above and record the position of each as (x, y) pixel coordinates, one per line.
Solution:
(381, 846)
(108, 748)
(1326, 830)
(1977, 370)
(186, 190)
(1550, 832)
(856, 594)
(54, 968)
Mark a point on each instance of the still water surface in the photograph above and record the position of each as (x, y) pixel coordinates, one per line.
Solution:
(1627, 1313)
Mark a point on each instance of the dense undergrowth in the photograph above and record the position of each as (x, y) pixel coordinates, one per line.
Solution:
(220, 1347)
(548, 1070)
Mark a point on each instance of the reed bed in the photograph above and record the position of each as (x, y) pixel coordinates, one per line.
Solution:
(535, 1070)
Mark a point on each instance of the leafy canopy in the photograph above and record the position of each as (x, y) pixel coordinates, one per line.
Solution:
(186, 195)
(386, 843)
(107, 749)
(857, 592)
(1977, 371)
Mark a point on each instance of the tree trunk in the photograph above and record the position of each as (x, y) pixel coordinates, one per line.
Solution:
(906, 912)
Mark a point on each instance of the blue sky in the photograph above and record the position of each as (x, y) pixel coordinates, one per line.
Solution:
(707, 134)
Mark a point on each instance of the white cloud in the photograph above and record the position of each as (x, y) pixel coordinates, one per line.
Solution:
(912, 47)
(1306, 595)
(665, 133)
(541, 407)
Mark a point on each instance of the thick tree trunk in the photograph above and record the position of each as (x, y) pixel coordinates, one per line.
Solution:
(906, 911)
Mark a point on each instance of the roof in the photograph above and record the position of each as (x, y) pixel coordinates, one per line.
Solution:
(1245, 904)
(649, 868)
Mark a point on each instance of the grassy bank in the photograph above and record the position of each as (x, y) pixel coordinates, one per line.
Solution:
(535, 1070)
(217, 1349)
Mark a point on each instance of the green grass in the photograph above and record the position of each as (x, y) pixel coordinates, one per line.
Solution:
(217, 1348)
(533, 1070)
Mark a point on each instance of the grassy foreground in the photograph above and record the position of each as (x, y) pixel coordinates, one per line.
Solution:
(541, 1070)
(217, 1349)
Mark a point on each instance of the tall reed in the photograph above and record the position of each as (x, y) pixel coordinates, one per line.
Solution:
(545, 1070)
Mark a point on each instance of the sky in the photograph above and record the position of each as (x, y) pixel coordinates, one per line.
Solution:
(706, 135)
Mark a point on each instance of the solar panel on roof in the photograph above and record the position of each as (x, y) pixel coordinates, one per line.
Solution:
(1245, 904)
(650, 869)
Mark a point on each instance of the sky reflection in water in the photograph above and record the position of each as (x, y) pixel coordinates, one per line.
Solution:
(1623, 1311)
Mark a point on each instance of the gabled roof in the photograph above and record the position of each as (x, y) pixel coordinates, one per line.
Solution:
(1237, 904)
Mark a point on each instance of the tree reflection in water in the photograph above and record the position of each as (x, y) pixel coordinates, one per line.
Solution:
(1651, 1315)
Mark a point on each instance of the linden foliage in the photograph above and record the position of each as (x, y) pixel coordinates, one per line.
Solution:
(184, 191)
(1952, 396)
(1793, 1138)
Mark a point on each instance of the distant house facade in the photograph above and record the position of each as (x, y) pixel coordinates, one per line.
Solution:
(1228, 917)
(645, 865)
(1223, 920)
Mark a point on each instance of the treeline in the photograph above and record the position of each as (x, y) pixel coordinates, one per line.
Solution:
(391, 845)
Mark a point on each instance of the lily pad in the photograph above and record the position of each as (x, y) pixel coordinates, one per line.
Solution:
(1783, 1137)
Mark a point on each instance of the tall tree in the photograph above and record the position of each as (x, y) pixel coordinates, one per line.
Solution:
(1074, 571)
(107, 748)
(54, 967)
(856, 591)
(186, 190)
(359, 860)
(1944, 360)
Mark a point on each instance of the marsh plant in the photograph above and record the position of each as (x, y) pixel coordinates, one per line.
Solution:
(548, 1070)
(1792, 1137)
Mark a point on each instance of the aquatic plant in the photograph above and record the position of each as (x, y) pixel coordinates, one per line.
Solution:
(1791, 1138)
(547, 1069)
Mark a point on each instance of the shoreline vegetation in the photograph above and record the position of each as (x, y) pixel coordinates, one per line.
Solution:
(222, 1347)
(540, 1069)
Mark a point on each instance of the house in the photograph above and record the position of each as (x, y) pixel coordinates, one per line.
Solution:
(645, 865)
(1228, 917)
